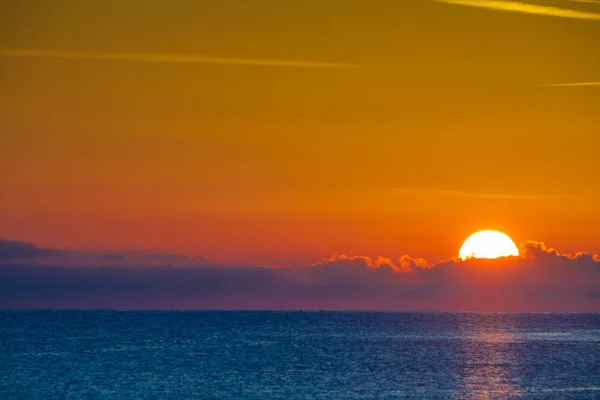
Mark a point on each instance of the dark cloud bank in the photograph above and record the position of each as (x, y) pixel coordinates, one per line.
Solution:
(540, 280)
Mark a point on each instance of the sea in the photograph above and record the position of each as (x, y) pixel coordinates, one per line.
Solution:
(298, 355)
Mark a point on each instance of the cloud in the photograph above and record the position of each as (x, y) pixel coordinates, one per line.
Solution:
(169, 58)
(541, 279)
(481, 195)
(12, 250)
(525, 8)
(31, 286)
(576, 84)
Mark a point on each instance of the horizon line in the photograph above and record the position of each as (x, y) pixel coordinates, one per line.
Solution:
(292, 310)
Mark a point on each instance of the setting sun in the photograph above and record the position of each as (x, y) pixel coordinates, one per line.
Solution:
(488, 244)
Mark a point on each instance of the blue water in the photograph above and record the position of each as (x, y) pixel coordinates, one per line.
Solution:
(303, 355)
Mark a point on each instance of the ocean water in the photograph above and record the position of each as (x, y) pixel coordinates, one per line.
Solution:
(297, 355)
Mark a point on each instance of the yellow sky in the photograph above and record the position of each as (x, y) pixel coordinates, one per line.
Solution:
(262, 130)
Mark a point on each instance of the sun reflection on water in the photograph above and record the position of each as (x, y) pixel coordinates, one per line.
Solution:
(491, 364)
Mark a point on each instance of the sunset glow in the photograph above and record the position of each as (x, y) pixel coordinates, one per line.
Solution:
(332, 149)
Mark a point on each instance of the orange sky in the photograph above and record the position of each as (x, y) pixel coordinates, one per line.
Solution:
(272, 131)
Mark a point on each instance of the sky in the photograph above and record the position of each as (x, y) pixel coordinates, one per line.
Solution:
(282, 133)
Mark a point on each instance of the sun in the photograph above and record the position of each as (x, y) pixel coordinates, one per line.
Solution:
(488, 244)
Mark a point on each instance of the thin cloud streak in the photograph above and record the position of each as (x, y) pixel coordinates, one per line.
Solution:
(576, 84)
(514, 6)
(498, 196)
(586, 1)
(168, 58)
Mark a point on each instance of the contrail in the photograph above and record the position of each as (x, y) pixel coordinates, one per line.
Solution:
(576, 84)
(515, 6)
(498, 196)
(168, 58)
